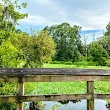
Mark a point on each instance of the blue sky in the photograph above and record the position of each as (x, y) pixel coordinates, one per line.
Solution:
(91, 15)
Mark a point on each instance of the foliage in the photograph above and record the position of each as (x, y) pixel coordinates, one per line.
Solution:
(9, 16)
(67, 39)
(7, 89)
(108, 62)
(10, 56)
(97, 53)
(91, 63)
(21, 50)
(107, 33)
(46, 46)
(105, 42)
(80, 64)
(9, 106)
(36, 50)
(3, 36)
(68, 63)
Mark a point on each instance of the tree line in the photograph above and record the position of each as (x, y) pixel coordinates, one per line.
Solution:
(70, 47)
(60, 42)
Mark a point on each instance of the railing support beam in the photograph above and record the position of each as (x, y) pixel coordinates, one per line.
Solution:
(20, 92)
(90, 89)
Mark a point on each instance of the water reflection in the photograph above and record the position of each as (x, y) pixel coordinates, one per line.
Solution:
(71, 105)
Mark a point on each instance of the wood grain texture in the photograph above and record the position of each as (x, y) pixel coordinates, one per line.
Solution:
(52, 97)
(90, 90)
(21, 75)
(53, 78)
(51, 71)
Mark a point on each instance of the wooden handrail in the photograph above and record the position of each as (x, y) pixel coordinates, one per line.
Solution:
(52, 71)
(21, 75)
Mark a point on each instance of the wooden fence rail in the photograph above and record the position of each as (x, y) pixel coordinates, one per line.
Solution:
(53, 75)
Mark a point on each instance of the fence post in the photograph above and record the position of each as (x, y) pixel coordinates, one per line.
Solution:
(90, 89)
(20, 92)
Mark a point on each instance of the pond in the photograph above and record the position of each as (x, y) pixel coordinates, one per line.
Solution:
(72, 105)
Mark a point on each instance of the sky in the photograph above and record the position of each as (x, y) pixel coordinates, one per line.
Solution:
(91, 15)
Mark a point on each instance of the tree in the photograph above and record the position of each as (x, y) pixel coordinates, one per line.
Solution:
(36, 49)
(105, 42)
(107, 33)
(10, 56)
(9, 16)
(67, 40)
(3, 36)
(97, 53)
(46, 45)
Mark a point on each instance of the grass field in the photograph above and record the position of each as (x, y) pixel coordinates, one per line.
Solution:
(65, 87)
(46, 65)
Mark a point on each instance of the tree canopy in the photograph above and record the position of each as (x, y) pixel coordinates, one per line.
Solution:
(67, 40)
(9, 14)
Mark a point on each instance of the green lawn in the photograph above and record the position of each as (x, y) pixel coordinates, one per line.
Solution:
(65, 87)
(46, 65)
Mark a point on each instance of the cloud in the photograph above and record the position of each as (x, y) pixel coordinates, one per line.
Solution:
(35, 20)
(90, 14)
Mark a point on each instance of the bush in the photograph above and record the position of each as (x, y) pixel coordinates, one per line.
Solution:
(78, 64)
(91, 63)
(108, 62)
(56, 62)
(68, 63)
(61, 62)
(102, 61)
(7, 106)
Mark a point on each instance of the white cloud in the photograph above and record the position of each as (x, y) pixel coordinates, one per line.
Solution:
(90, 14)
(35, 20)
(95, 21)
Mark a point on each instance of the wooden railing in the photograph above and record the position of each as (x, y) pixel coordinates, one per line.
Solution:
(53, 75)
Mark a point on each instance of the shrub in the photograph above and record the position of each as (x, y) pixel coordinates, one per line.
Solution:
(56, 62)
(79, 64)
(68, 63)
(102, 61)
(91, 63)
(108, 62)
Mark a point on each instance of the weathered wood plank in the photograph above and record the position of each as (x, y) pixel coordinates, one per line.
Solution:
(53, 78)
(52, 97)
(90, 90)
(20, 92)
(53, 75)
(51, 71)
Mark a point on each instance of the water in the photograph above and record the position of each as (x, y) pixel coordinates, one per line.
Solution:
(80, 105)
(99, 105)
